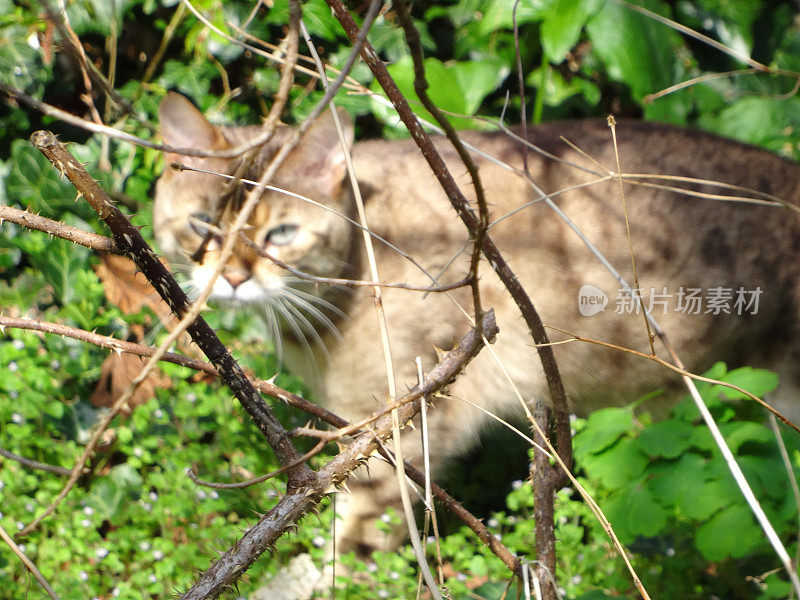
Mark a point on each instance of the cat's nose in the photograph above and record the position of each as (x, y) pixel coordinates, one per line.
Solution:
(236, 278)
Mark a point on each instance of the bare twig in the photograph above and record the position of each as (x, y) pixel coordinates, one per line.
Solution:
(28, 563)
(34, 464)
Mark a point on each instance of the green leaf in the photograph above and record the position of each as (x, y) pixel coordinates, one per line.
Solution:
(639, 52)
(617, 465)
(730, 533)
(457, 87)
(563, 24)
(499, 15)
(756, 381)
(738, 433)
(669, 439)
(759, 120)
(20, 61)
(603, 428)
(634, 512)
(556, 90)
(673, 480)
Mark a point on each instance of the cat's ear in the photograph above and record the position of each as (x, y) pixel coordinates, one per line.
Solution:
(183, 126)
(320, 155)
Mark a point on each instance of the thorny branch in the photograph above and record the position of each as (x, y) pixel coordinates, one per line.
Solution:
(128, 238)
(267, 387)
(298, 502)
(128, 241)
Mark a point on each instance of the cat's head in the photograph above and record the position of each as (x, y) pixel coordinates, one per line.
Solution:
(306, 237)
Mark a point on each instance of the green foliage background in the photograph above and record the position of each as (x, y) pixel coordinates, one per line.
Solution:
(138, 527)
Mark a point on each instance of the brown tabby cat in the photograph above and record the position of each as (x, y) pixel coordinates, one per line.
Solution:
(721, 276)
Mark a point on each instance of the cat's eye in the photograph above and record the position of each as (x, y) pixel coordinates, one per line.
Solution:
(281, 235)
(196, 221)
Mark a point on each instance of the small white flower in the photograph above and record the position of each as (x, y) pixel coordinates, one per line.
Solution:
(153, 496)
(12, 366)
(431, 540)
(18, 344)
(88, 511)
(147, 506)
(191, 397)
(318, 541)
(214, 494)
(21, 548)
(386, 518)
(30, 506)
(383, 594)
(670, 551)
(372, 568)
(115, 592)
(576, 579)
(152, 578)
(158, 554)
(144, 546)
(158, 413)
(55, 365)
(511, 519)
(394, 575)
(83, 575)
(492, 522)
(516, 484)
(138, 452)
(17, 418)
(33, 41)
(201, 494)
(101, 553)
(20, 525)
(86, 523)
(562, 592)
(13, 394)
(2, 484)
(498, 537)
(461, 577)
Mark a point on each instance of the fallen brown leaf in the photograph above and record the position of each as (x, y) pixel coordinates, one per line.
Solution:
(117, 372)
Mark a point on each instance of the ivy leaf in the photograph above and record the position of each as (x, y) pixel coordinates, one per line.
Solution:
(20, 61)
(640, 53)
(563, 24)
(457, 87)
